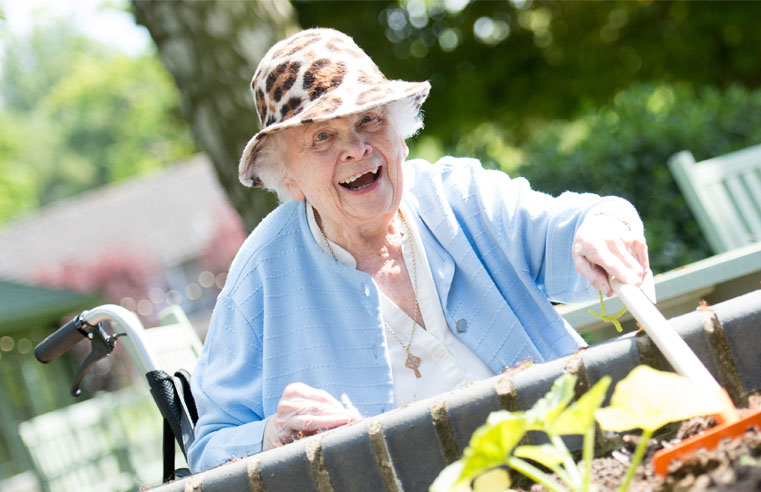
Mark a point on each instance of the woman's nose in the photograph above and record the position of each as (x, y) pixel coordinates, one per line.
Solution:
(355, 148)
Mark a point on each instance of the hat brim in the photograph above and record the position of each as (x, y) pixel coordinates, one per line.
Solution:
(415, 93)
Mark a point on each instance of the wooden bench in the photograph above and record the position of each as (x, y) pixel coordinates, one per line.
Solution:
(724, 195)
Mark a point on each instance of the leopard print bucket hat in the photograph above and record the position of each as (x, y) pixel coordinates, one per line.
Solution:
(316, 75)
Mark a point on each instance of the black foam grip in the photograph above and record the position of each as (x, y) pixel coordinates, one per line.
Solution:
(167, 400)
(59, 342)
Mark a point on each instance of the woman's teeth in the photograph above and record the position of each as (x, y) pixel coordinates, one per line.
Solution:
(357, 176)
(366, 179)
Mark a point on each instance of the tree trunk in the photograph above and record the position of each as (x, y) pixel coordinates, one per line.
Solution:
(212, 48)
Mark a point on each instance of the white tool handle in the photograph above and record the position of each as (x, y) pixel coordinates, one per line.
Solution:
(671, 345)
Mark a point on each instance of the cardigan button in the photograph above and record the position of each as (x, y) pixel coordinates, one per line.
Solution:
(462, 325)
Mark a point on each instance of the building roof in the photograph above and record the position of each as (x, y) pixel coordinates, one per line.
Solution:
(168, 217)
(24, 306)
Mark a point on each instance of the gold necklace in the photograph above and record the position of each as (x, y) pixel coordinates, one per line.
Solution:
(413, 361)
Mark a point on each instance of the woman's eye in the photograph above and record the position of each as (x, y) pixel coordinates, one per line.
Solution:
(367, 119)
(321, 136)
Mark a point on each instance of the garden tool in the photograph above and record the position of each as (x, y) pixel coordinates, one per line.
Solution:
(686, 363)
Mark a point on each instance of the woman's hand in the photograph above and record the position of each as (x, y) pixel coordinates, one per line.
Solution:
(604, 247)
(302, 411)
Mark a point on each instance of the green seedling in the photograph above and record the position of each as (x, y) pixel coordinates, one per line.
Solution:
(609, 318)
(646, 399)
(497, 442)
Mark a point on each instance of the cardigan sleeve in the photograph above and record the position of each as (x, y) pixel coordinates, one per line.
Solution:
(533, 229)
(227, 387)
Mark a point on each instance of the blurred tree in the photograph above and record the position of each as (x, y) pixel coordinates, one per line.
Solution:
(75, 115)
(622, 149)
(117, 113)
(518, 63)
(18, 186)
(212, 49)
(515, 83)
(32, 64)
(501, 72)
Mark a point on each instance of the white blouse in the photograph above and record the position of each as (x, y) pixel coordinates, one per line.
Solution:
(446, 363)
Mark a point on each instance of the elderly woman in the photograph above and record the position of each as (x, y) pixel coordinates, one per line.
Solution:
(381, 281)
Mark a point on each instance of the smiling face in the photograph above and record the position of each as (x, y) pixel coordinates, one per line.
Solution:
(349, 169)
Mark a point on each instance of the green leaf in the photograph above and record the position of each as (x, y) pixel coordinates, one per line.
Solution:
(493, 442)
(495, 480)
(546, 410)
(610, 318)
(535, 474)
(648, 399)
(544, 454)
(577, 418)
(449, 479)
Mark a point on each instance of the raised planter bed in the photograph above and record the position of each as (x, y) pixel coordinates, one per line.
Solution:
(404, 450)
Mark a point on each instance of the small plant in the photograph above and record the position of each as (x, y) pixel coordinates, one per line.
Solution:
(646, 399)
(610, 318)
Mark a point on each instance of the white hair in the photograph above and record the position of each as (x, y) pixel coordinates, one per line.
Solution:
(270, 167)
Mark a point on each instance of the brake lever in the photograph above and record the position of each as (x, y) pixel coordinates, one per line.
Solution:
(101, 344)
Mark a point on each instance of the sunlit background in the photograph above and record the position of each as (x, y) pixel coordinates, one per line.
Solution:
(102, 200)
(118, 153)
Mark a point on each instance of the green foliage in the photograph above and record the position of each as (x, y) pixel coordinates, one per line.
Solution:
(117, 112)
(492, 442)
(649, 399)
(515, 64)
(608, 318)
(34, 63)
(547, 409)
(633, 405)
(496, 443)
(623, 147)
(666, 76)
(76, 116)
(18, 186)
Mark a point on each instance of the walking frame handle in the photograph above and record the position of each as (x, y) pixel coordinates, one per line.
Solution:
(89, 325)
(61, 340)
(172, 394)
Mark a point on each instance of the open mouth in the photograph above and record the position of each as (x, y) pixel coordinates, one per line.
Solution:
(361, 181)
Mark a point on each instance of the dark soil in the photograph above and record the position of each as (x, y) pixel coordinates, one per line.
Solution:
(735, 465)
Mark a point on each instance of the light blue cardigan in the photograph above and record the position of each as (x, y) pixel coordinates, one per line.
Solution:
(498, 250)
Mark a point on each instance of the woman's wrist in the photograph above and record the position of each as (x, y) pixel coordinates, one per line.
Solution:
(614, 217)
(620, 210)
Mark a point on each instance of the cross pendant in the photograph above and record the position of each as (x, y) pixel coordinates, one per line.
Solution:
(413, 362)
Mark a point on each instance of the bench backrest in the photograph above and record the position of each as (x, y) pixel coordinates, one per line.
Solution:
(110, 443)
(724, 194)
(175, 341)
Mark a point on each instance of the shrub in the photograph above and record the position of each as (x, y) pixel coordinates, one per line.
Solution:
(623, 148)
